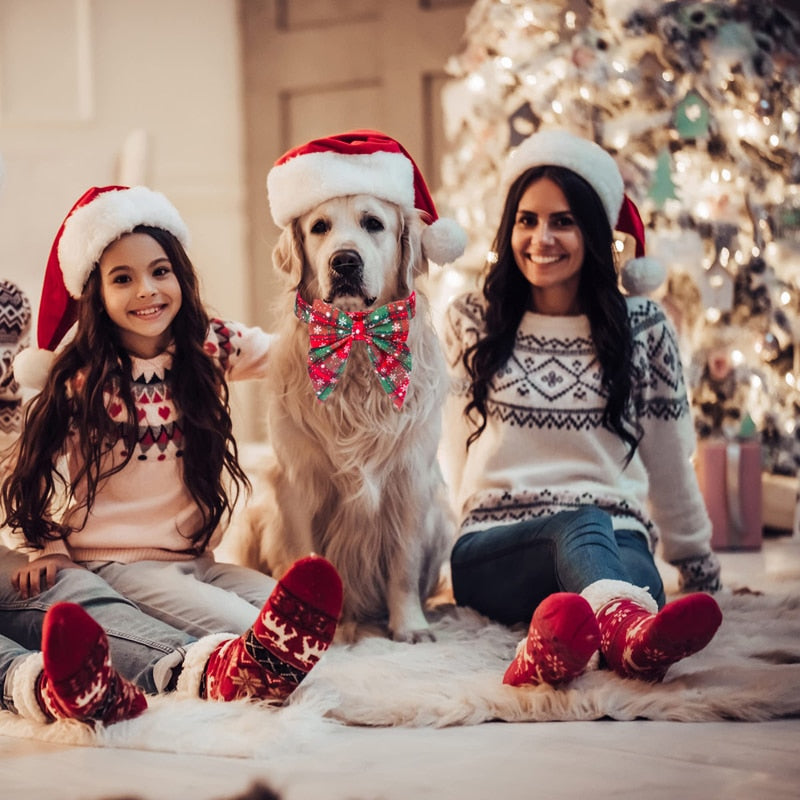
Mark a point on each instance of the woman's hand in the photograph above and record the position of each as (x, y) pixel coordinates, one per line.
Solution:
(36, 576)
(699, 574)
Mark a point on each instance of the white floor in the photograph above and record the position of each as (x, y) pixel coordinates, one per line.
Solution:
(605, 759)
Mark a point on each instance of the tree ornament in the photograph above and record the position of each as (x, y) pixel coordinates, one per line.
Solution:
(692, 117)
(663, 186)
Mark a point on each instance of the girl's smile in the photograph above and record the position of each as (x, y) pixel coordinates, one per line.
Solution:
(141, 293)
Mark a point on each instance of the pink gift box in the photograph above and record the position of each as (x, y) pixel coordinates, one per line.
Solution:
(729, 474)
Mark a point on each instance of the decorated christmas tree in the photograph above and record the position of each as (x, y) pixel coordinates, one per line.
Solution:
(699, 102)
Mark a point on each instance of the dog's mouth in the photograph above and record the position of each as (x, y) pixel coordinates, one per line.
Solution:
(346, 271)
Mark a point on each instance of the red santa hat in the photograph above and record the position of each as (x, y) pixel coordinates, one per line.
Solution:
(99, 217)
(595, 165)
(359, 162)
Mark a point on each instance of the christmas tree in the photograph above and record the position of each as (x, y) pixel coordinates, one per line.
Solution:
(699, 103)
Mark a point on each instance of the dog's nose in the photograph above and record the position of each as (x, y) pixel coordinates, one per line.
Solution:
(344, 261)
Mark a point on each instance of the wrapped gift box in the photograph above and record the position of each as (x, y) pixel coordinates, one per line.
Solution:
(729, 474)
(779, 500)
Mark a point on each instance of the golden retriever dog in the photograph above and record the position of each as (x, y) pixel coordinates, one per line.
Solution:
(353, 477)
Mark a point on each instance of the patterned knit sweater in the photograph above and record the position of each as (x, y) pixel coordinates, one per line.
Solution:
(545, 449)
(144, 512)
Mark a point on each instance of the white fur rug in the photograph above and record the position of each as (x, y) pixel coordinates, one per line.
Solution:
(751, 671)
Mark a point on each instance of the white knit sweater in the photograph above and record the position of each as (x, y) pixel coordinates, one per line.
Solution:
(544, 449)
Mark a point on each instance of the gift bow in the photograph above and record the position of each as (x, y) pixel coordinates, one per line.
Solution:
(331, 334)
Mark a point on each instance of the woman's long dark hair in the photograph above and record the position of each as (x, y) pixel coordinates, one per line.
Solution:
(508, 292)
(73, 400)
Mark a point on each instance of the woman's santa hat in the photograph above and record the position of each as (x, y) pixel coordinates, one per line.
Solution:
(99, 217)
(561, 148)
(359, 162)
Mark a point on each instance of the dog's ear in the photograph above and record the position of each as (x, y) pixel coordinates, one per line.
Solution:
(287, 255)
(413, 262)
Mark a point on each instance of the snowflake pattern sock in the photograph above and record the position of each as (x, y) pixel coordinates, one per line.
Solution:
(77, 680)
(562, 637)
(639, 644)
(295, 627)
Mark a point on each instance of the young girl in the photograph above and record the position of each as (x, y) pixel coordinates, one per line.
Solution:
(126, 461)
(569, 436)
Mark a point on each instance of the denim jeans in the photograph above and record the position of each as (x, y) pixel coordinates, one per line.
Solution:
(143, 649)
(506, 571)
(199, 596)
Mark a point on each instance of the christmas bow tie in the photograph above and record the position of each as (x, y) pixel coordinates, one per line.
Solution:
(332, 332)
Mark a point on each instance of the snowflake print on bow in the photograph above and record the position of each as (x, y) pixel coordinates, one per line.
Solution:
(383, 330)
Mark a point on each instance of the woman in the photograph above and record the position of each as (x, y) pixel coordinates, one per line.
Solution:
(569, 436)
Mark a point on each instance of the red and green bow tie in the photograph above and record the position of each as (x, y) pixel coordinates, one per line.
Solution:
(332, 333)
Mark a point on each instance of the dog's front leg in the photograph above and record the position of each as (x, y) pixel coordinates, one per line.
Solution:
(407, 622)
(295, 540)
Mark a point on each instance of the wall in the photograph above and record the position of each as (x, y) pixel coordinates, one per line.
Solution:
(94, 92)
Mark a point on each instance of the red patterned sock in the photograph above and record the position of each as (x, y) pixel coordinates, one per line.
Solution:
(562, 637)
(295, 627)
(78, 681)
(639, 644)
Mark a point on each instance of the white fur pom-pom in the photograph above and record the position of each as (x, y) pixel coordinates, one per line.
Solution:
(643, 275)
(444, 241)
(32, 366)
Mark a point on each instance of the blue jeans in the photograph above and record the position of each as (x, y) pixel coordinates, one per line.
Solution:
(143, 649)
(506, 571)
(199, 596)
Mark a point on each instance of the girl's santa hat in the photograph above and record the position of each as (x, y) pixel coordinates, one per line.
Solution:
(99, 217)
(641, 274)
(359, 162)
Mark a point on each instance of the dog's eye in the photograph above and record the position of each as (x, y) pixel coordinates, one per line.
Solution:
(372, 224)
(320, 226)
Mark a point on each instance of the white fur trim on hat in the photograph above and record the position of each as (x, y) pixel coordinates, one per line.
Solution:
(91, 228)
(582, 156)
(643, 275)
(303, 182)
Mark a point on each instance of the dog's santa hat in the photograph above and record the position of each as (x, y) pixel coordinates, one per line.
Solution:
(359, 162)
(641, 274)
(99, 217)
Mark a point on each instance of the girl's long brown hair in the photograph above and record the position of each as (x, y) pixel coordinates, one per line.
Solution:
(200, 392)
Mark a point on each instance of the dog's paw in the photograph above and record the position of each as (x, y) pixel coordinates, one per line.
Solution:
(413, 636)
(350, 631)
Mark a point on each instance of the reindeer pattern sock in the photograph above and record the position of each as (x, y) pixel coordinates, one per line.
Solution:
(78, 680)
(293, 629)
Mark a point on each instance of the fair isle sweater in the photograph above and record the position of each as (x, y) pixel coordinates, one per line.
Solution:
(144, 511)
(545, 450)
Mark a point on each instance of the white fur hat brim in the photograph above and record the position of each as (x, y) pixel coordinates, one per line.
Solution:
(302, 183)
(584, 157)
(92, 227)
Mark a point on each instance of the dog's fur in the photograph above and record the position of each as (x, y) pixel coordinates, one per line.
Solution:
(354, 478)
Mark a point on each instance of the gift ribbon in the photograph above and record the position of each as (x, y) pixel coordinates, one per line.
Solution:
(733, 471)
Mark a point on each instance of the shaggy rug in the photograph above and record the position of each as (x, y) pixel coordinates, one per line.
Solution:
(750, 671)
